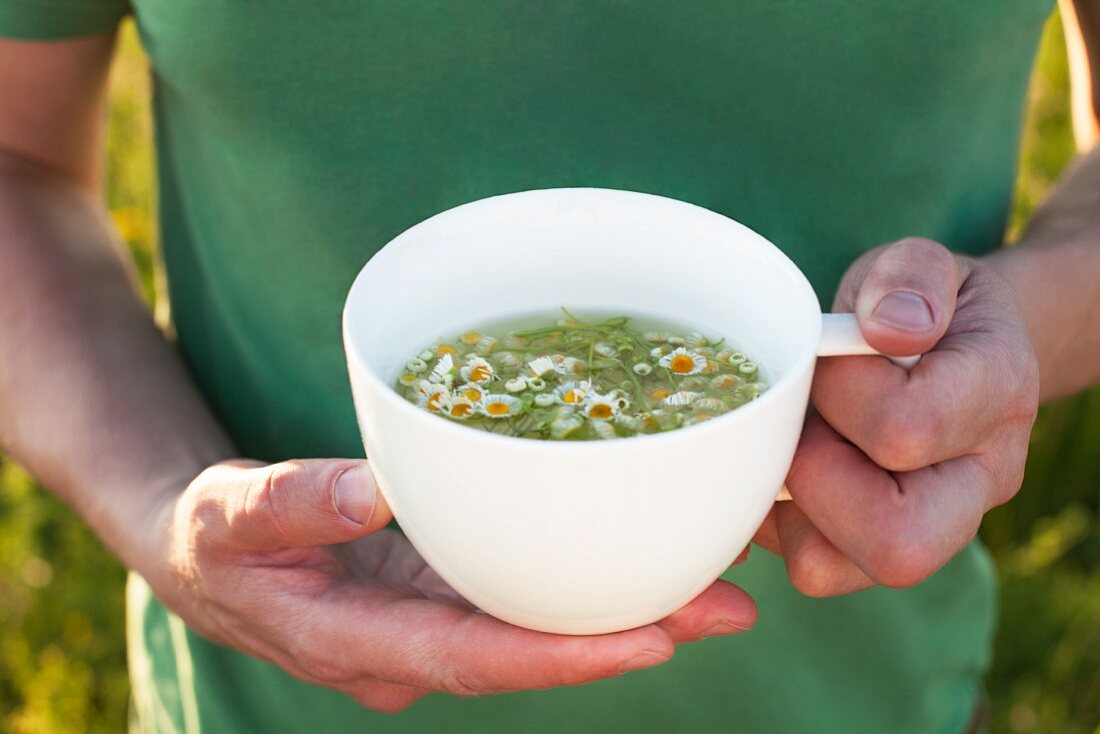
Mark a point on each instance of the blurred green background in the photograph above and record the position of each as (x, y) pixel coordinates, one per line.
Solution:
(62, 657)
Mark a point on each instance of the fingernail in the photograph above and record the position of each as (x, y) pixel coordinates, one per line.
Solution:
(641, 661)
(725, 627)
(354, 494)
(904, 310)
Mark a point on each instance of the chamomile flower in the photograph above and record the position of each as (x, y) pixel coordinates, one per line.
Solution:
(507, 361)
(600, 407)
(516, 384)
(656, 337)
(695, 339)
(485, 344)
(470, 337)
(725, 382)
(443, 368)
(545, 400)
(710, 405)
(683, 362)
(694, 383)
(628, 422)
(642, 369)
(513, 340)
(471, 391)
(500, 406)
(677, 341)
(433, 397)
(619, 396)
(425, 354)
(747, 368)
(658, 394)
(408, 380)
(461, 408)
(605, 350)
(477, 369)
(680, 399)
(416, 365)
(603, 429)
(440, 350)
(536, 384)
(736, 358)
(658, 352)
(568, 366)
(572, 393)
(541, 366)
(562, 427)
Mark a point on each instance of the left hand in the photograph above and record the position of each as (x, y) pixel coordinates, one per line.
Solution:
(895, 469)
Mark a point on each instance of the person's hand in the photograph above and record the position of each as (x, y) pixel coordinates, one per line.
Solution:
(895, 469)
(289, 562)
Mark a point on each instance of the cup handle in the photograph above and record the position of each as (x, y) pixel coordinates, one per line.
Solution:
(840, 336)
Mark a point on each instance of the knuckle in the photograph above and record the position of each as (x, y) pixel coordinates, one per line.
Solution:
(922, 247)
(320, 668)
(904, 561)
(266, 505)
(905, 439)
(459, 683)
(814, 580)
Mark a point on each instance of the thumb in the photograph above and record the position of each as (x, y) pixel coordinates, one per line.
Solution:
(903, 295)
(300, 504)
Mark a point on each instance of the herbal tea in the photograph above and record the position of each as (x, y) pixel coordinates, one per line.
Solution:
(574, 379)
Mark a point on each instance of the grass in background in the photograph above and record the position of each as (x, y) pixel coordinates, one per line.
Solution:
(62, 660)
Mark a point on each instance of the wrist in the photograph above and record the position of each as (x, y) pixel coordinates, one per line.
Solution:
(1055, 284)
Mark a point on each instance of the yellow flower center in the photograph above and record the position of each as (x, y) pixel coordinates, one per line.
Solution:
(497, 409)
(659, 394)
(460, 410)
(480, 373)
(573, 396)
(444, 349)
(470, 337)
(682, 363)
(600, 410)
(471, 393)
(433, 401)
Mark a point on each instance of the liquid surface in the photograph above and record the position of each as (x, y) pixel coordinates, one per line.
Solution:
(566, 377)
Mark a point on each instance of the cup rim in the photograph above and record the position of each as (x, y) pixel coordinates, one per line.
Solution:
(354, 352)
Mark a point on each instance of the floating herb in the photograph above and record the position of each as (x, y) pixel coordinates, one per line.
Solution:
(580, 380)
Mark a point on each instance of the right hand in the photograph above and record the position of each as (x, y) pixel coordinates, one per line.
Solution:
(290, 563)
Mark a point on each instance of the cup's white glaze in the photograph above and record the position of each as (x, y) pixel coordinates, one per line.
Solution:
(580, 537)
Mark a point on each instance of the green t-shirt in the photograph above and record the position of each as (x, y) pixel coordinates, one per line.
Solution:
(295, 138)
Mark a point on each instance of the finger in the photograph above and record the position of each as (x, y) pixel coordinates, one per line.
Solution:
(722, 609)
(767, 535)
(815, 566)
(295, 504)
(898, 529)
(374, 631)
(981, 379)
(903, 295)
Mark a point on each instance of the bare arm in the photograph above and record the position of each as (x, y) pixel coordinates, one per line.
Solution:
(279, 561)
(1055, 267)
(895, 470)
(93, 400)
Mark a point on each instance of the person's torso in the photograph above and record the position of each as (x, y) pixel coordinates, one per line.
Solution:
(296, 138)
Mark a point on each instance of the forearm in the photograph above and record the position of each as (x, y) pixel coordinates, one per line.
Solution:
(1055, 269)
(93, 400)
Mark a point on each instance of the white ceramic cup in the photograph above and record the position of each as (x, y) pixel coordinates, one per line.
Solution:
(597, 536)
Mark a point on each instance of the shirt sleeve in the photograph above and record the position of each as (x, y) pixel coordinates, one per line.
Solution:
(54, 19)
